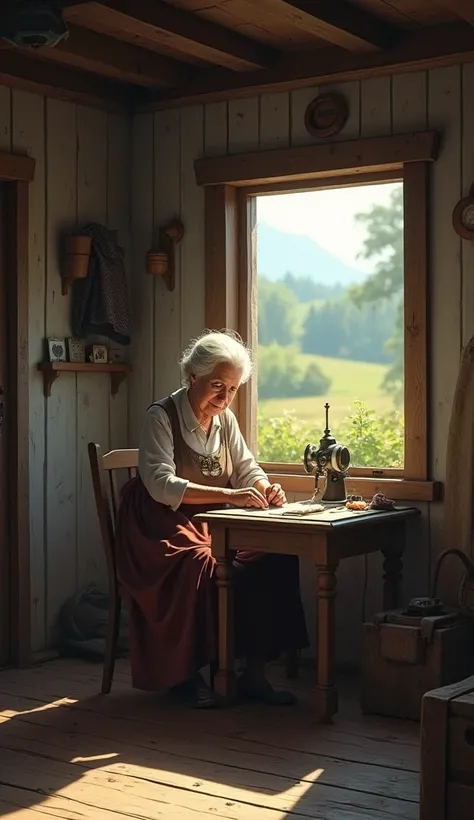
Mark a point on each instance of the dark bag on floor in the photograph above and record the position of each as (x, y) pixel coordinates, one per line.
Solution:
(83, 625)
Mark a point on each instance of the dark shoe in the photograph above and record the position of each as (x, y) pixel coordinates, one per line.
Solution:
(264, 693)
(195, 694)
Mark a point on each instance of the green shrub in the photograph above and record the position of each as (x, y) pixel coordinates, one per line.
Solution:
(373, 440)
(283, 373)
(282, 438)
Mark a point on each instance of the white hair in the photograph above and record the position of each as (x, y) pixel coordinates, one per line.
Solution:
(211, 348)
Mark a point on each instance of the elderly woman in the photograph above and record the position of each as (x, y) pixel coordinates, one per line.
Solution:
(193, 458)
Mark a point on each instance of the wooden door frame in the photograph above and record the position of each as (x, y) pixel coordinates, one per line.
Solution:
(18, 171)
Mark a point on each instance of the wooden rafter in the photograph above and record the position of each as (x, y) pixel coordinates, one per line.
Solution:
(184, 32)
(67, 83)
(341, 23)
(112, 58)
(463, 8)
(418, 49)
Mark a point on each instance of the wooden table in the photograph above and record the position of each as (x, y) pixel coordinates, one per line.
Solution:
(327, 538)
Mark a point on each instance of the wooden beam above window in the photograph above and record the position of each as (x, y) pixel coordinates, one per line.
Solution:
(317, 161)
(184, 32)
(341, 23)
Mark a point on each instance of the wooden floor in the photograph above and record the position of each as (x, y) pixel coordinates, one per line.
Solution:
(66, 752)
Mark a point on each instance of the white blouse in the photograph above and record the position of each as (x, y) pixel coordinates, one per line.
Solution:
(156, 453)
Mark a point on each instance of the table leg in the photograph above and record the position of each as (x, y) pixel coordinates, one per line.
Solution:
(326, 692)
(225, 680)
(392, 567)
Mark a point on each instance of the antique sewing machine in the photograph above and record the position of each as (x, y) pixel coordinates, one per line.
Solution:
(331, 460)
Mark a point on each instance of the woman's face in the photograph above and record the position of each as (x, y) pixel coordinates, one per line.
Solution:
(210, 395)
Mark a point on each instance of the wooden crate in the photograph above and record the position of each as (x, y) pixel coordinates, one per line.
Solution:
(447, 753)
(400, 662)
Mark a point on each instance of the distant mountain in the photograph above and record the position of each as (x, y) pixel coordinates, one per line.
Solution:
(279, 252)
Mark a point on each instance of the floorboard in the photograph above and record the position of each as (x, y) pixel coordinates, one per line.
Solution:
(67, 752)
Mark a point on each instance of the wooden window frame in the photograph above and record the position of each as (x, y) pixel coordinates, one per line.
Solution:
(18, 171)
(231, 185)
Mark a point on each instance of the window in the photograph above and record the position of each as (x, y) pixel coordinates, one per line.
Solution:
(235, 186)
(330, 298)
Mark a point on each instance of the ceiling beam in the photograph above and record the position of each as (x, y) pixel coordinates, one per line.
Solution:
(18, 71)
(184, 32)
(341, 23)
(463, 8)
(112, 58)
(417, 49)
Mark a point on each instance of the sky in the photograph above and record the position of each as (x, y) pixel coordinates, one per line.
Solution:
(327, 217)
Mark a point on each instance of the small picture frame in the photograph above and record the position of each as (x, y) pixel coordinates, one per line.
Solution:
(99, 354)
(76, 350)
(57, 350)
(116, 355)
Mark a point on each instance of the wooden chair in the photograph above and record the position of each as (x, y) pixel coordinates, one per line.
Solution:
(107, 471)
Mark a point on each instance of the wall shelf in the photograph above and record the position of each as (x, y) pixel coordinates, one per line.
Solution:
(52, 370)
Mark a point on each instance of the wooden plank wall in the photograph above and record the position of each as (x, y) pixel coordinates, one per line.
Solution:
(169, 141)
(82, 174)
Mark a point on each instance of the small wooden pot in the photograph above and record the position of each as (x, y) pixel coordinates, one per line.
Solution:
(77, 253)
(157, 263)
(160, 260)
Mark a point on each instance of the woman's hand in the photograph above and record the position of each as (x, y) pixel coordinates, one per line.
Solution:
(248, 497)
(275, 495)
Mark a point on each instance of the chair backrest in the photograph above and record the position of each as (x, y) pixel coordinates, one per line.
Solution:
(108, 473)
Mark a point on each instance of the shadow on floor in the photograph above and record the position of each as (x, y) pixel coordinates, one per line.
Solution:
(69, 753)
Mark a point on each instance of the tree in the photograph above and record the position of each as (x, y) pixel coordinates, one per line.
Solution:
(277, 307)
(283, 373)
(343, 330)
(307, 290)
(384, 245)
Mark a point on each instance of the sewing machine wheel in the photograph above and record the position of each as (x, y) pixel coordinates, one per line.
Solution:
(340, 458)
(310, 459)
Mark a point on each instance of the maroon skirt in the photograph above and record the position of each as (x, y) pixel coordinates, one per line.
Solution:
(166, 568)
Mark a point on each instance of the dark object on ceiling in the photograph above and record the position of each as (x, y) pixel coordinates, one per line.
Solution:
(33, 23)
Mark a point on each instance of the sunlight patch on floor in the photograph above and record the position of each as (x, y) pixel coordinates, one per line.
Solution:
(8, 714)
(91, 758)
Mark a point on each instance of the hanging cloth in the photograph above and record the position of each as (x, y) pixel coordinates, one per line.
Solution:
(100, 303)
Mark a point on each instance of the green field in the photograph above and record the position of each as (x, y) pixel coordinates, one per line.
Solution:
(350, 381)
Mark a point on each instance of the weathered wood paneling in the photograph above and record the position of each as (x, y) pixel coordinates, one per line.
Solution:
(118, 219)
(82, 174)
(29, 137)
(142, 285)
(92, 392)
(377, 107)
(61, 407)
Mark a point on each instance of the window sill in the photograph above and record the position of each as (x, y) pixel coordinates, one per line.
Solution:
(397, 488)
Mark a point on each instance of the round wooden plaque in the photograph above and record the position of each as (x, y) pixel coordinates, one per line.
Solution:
(326, 115)
(463, 216)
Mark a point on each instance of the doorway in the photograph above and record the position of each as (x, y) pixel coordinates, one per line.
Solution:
(5, 587)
